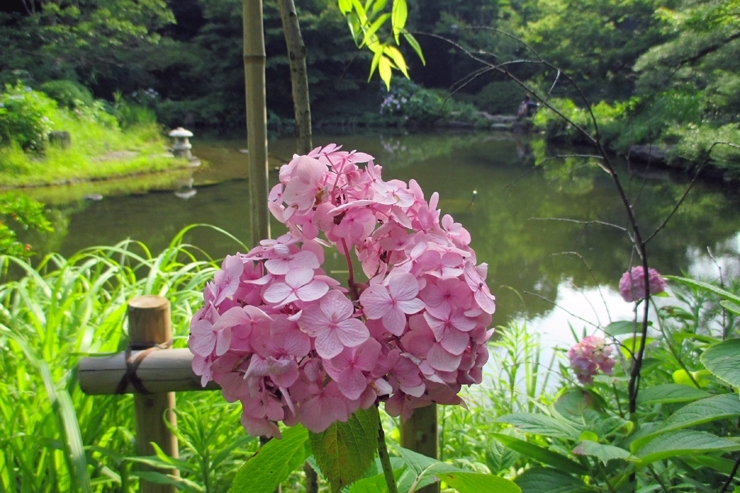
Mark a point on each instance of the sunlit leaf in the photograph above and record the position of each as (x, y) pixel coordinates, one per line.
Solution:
(273, 462)
(541, 454)
(683, 442)
(400, 12)
(723, 361)
(604, 453)
(669, 393)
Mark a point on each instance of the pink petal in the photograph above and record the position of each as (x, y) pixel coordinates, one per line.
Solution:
(352, 332)
(312, 291)
(352, 382)
(299, 277)
(394, 321)
(485, 301)
(277, 292)
(455, 341)
(403, 286)
(335, 305)
(410, 306)
(441, 360)
(375, 301)
(328, 344)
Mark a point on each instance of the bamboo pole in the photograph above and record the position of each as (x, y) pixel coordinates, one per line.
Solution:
(159, 371)
(298, 75)
(254, 84)
(419, 433)
(149, 324)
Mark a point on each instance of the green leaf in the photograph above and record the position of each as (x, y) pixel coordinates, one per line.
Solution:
(669, 393)
(397, 58)
(699, 412)
(723, 360)
(730, 307)
(707, 287)
(273, 462)
(159, 478)
(541, 454)
(399, 13)
(472, 482)
(411, 40)
(545, 479)
(725, 466)
(621, 327)
(368, 35)
(345, 451)
(604, 453)
(384, 68)
(499, 458)
(539, 424)
(345, 6)
(683, 442)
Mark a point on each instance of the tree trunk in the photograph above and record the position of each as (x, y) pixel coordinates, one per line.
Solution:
(254, 83)
(298, 76)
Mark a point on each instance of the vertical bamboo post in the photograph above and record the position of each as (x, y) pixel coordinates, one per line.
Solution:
(419, 433)
(254, 84)
(149, 324)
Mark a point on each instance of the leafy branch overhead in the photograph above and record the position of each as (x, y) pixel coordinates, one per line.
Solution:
(368, 26)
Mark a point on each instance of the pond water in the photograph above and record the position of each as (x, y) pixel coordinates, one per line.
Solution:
(523, 219)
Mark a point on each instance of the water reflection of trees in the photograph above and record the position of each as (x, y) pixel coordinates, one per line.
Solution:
(522, 252)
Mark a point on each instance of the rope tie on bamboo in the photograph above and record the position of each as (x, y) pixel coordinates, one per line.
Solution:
(133, 364)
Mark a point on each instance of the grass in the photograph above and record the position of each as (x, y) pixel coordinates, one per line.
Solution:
(51, 315)
(99, 150)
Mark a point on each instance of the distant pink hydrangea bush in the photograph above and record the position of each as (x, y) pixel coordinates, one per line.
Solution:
(632, 284)
(589, 356)
(294, 345)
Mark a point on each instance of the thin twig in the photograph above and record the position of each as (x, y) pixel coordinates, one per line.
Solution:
(731, 476)
(385, 460)
(577, 221)
(537, 295)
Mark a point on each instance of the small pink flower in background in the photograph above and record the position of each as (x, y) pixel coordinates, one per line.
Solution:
(632, 284)
(589, 356)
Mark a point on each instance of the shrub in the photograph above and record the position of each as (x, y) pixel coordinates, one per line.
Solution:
(68, 93)
(25, 117)
(499, 97)
(409, 104)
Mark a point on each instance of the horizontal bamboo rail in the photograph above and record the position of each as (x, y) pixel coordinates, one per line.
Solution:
(159, 371)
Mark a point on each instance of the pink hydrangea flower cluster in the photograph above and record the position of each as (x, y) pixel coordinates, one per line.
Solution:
(589, 356)
(294, 345)
(632, 284)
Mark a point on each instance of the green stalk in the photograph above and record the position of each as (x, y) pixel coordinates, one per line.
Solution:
(385, 460)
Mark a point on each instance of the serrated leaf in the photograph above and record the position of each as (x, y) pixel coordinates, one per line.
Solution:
(604, 453)
(539, 424)
(273, 462)
(399, 14)
(683, 442)
(499, 458)
(541, 454)
(699, 412)
(621, 327)
(669, 393)
(472, 482)
(345, 451)
(723, 360)
(545, 479)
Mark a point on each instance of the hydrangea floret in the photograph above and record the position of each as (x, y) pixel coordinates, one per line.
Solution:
(589, 356)
(632, 283)
(294, 345)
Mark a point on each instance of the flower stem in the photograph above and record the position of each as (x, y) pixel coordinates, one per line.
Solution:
(385, 460)
(351, 280)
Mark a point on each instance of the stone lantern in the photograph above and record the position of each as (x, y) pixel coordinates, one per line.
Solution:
(182, 146)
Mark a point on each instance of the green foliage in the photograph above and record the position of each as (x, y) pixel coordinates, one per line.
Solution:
(345, 451)
(25, 117)
(274, 462)
(68, 94)
(20, 212)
